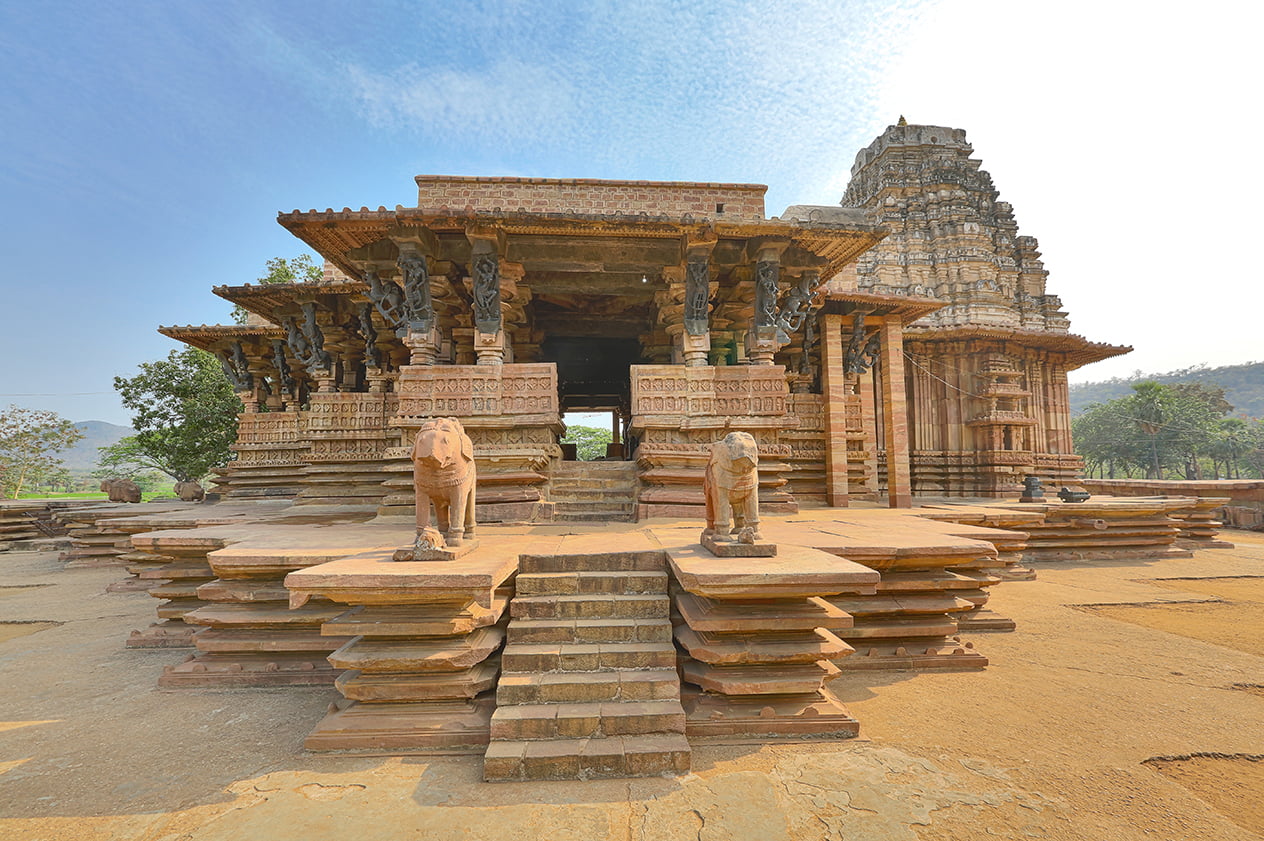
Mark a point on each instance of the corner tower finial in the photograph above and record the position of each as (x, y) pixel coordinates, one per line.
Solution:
(902, 121)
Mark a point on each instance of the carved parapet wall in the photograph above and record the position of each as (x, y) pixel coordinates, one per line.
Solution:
(349, 436)
(271, 455)
(679, 411)
(511, 414)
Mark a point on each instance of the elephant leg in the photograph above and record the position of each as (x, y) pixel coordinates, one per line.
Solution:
(723, 516)
(423, 500)
(441, 514)
(751, 513)
(469, 509)
(454, 529)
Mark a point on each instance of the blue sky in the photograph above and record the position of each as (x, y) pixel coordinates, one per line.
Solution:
(146, 147)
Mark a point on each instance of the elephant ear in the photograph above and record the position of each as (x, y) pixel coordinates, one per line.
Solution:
(467, 447)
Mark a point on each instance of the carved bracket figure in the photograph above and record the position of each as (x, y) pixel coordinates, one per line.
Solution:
(236, 368)
(767, 275)
(418, 305)
(791, 317)
(731, 485)
(487, 317)
(697, 295)
(307, 341)
(862, 352)
(372, 356)
(285, 378)
(443, 474)
(387, 297)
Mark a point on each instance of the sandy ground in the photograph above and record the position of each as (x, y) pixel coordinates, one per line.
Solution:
(1128, 705)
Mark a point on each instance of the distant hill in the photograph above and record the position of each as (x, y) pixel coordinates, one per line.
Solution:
(82, 457)
(1243, 386)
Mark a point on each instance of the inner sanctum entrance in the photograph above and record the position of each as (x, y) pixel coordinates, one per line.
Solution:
(593, 375)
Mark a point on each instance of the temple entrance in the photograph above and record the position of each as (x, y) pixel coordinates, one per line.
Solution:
(593, 376)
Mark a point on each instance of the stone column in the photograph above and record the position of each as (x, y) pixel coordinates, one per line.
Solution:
(696, 336)
(834, 387)
(895, 414)
(761, 339)
(489, 325)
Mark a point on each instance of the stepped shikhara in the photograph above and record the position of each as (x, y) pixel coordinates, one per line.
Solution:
(987, 371)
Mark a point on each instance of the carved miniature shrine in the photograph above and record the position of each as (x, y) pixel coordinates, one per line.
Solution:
(762, 373)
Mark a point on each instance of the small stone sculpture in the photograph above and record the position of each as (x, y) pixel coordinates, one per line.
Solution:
(731, 486)
(121, 490)
(443, 474)
(190, 491)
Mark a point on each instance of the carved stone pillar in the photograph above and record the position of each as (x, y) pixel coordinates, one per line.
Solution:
(761, 339)
(489, 323)
(835, 389)
(895, 414)
(696, 334)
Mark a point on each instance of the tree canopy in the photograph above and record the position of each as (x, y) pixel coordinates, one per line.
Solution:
(185, 416)
(300, 269)
(1162, 431)
(590, 442)
(29, 442)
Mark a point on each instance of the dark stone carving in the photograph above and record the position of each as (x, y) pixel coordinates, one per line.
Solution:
(285, 378)
(372, 356)
(307, 342)
(387, 297)
(809, 336)
(767, 274)
(861, 353)
(793, 314)
(487, 293)
(1068, 495)
(236, 368)
(1033, 491)
(697, 295)
(418, 306)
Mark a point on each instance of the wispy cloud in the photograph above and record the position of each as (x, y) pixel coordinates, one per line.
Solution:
(509, 101)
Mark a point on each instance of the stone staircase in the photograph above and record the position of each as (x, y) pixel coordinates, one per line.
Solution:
(594, 491)
(588, 685)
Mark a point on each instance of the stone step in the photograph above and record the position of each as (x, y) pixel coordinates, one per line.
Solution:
(595, 516)
(586, 483)
(595, 468)
(592, 498)
(598, 582)
(586, 687)
(591, 606)
(587, 721)
(644, 561)
(589, 630)
(585, 759)
(587, 657)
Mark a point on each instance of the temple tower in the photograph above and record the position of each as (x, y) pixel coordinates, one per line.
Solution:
(986, 374)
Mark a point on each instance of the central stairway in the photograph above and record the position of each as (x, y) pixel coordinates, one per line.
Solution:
(594, 491)
(588, 685)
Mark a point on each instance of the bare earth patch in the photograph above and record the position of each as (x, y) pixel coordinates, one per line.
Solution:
(1237, 622)
(13, 630)
(1233, 785)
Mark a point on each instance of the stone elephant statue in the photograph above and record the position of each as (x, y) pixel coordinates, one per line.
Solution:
(190, 491)
(731, 485)
(121, 490)
(444, 473)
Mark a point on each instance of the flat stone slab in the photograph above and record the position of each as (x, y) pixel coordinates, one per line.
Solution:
(418, 686)
(734, 616)
(755, 720)
(373, 578)
(735, 549)
(439, 654)
(796, 571)
(419, 620)
(443, 727)
(447, 553)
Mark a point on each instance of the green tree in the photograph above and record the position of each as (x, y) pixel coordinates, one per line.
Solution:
(300, 269)
(29, 442)
(590, 442)
(185, 416)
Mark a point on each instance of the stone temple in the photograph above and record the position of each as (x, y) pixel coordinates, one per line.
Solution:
(901, 344)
